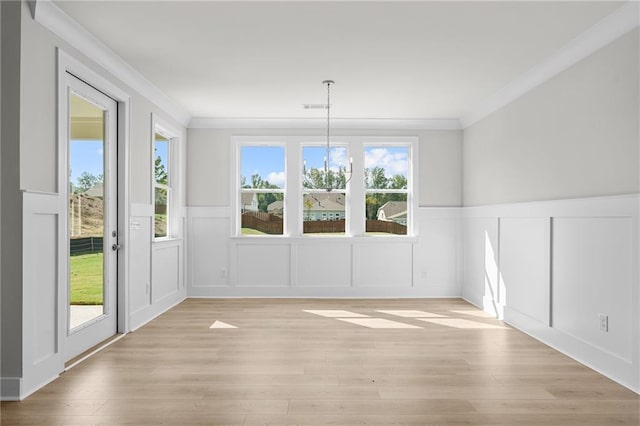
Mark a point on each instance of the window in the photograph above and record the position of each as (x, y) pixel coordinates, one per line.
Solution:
(386, 189)
(324, 212)
(262, 183)
(279, 186)
(165, 181)
(162, 191)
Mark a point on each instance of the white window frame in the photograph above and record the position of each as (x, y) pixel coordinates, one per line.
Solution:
(410, 191)
(354, 194)
(238, 190)
(160, 126)
(338, 142)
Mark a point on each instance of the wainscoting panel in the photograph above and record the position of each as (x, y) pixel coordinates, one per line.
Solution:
(208, 258)
(436, 256)
(383, 265)
(140, 263)
(561, 264)
(262, 265)
(524, 266)
(166, 269)
(44, 288)
(592, 275)
(480, 244)
(324, 265)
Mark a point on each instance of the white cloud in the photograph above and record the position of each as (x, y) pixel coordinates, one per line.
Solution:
(338, 158)
(393, 163)
(276, 178)
(100, 152)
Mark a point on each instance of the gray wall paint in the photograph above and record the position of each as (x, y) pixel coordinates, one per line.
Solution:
(208, 174)
(39, 172)
(574, 136)
(11, 221)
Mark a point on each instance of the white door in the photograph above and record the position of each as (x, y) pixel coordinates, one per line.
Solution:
(91, 163)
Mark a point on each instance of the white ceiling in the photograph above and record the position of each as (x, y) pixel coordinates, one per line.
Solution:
(394, 60)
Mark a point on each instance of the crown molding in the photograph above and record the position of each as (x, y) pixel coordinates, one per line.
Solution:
(321, 123)
(55, 20)
(612, 27)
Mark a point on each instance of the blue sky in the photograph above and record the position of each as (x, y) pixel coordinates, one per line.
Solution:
(268, 161)
(85, 156)
(88, 156)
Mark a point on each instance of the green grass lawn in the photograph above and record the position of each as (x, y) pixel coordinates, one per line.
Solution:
(251, 231)
(86, 279)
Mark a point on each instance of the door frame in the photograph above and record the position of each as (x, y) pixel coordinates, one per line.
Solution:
(69, 64)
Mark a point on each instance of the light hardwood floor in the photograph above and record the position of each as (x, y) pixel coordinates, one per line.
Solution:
(286, 366)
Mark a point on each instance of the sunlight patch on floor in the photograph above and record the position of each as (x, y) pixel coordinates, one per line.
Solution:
(335, 313)
(412, 314)
(473, 312)
(461, 323)
(220, 324)
(377, 323)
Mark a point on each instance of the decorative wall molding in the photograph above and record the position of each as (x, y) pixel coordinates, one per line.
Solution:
(526, 262)
(319, 123)
(55, 20)
(620, 22)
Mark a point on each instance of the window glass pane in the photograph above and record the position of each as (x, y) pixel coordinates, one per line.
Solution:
(262, 167)
(314, 158)
(160, 213)
(323, 213)
(386, 213)
(261, 213)
(386, 167)
(161, 159)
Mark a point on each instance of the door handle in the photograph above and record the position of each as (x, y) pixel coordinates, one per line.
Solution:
(115, 247)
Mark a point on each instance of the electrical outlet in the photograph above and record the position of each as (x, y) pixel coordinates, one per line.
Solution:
(604, 322)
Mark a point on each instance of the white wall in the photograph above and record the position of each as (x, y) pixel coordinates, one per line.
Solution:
(440, 158)
(550, 266)
(574, 136)
(28, 361)
(426, 265)
(11, 220)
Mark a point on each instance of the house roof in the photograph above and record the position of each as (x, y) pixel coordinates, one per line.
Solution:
(96, 190)
(246, 198)
(324, 202)
(393, 209)
(276, 205)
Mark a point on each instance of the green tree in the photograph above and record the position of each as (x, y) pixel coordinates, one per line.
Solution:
(376, 178)
(398, 182)
(160, 172)
(86, 181)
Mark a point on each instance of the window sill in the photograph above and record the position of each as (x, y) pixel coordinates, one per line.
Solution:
(166, 240)
(376, 239)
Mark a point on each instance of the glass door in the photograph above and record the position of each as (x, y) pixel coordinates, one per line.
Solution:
(92, 216)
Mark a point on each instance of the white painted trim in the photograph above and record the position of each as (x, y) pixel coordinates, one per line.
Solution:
(141, 210)
(293, 292)
(612, 206)
(10, 388)
(148, 313)
(55, 20)
(318, 123)
(618, 23)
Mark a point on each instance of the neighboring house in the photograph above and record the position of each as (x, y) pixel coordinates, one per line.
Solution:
(323, 206)
(276, 208)
(393, 211)
(96, 190)
(249, 202)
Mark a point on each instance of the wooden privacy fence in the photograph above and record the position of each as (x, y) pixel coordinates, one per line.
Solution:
(263, 222)
(85, 245)
(386, 226)
(321, 226)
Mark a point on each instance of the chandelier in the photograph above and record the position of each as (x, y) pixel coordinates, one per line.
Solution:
(330, 178)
